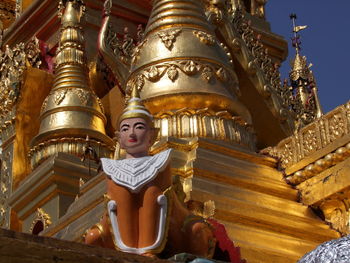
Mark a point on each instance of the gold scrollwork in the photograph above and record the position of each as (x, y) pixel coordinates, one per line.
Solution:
(5, 188)
(261, 60)
(83, 95)
(137, 50)
(172, 70)
(172, 73)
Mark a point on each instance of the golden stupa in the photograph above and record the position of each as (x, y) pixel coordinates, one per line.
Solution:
(272, 166)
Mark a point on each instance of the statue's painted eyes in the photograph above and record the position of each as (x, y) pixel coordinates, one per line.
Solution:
(124, 129)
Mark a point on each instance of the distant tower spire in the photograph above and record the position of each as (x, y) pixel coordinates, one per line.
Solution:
(303, 98)
(71, 111)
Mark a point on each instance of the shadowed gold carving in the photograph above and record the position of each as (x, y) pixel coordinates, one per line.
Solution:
(42, 216)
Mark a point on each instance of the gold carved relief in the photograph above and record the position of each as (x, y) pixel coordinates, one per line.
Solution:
(2, 215)
(310, 141)
(288, 152)
(169, 37)
(320, 165)
(204, 37)
(13, 63)
(314, 137)
(3, 188)
(336, 212)
(231, 21)
(337, 126)
(205, 123)
(5, 185)
(136, 52)
(43, 106)
(173, 69)
(74, 146)
(83, 95)
(41, 216)
(60, 96)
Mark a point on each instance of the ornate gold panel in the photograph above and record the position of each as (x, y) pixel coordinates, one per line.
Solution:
(315, 140)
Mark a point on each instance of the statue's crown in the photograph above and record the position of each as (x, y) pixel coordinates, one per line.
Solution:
(135, 108)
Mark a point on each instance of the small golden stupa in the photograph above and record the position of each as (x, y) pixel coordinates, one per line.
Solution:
(71, 110)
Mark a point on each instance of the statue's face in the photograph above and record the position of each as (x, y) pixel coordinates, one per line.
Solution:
(135, 136)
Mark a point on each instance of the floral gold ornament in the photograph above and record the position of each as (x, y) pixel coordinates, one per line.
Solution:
(204, 37)
(169, 37)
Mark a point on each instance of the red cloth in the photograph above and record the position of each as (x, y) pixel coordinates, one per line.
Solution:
(224, 243)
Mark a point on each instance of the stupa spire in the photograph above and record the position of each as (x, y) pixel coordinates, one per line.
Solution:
(180, 68)
(71, 110)
(304, 99)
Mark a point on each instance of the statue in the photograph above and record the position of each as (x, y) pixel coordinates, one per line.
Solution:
(143, 211)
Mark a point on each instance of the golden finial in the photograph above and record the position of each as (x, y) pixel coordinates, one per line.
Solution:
(303, 98)
(300, 69)
(296, 29)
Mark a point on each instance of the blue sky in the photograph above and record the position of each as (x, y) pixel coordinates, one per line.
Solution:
(326, 43)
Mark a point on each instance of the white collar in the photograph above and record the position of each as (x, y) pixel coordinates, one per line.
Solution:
(134, 173)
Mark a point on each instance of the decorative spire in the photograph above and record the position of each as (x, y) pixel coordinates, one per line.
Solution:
(304, 100)
(296, 42)
(71, 110)
(181, 65)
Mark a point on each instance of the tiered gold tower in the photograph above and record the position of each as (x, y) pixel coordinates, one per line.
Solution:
(71, 111)
(186, 77)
